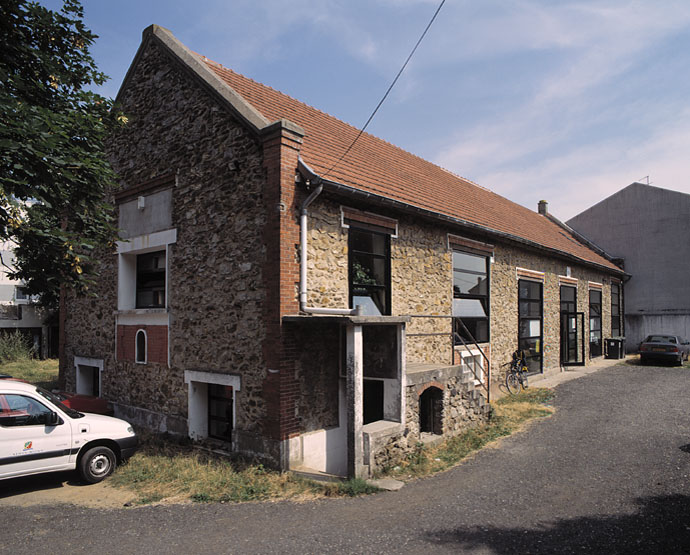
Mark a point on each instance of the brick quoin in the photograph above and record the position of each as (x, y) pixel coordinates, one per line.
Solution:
(156, 343)
(428, 385)
(281, 278)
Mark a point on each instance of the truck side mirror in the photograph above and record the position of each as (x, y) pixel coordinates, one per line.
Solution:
(52, 419)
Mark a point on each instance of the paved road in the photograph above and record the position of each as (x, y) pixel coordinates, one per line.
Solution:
(608, 473)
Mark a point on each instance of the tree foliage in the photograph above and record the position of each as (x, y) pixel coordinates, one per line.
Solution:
(54, 174)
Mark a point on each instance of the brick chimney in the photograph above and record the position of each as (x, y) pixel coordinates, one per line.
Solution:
(543, 207)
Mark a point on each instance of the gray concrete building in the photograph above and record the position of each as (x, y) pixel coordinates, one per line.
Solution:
(649, 228)
(20, 311)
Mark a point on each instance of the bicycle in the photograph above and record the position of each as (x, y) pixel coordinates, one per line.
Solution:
(516, 377)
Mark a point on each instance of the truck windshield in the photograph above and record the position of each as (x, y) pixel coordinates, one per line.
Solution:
(58, 403)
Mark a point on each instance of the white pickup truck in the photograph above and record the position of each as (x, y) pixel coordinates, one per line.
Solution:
(40, 434)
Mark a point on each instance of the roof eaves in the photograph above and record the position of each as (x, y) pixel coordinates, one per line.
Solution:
(582, 239)
(245, 111)
(429, 214)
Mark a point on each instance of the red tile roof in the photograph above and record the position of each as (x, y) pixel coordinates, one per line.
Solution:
(376, 166)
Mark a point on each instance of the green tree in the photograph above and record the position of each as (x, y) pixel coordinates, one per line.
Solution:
(54, 174)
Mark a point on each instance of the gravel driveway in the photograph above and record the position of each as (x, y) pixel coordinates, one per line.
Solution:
(608, 473)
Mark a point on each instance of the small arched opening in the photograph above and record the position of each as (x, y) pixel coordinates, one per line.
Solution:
(140, 347)
(431, 411)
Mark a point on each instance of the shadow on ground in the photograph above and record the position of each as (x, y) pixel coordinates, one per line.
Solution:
(661, 525)
(38, 482)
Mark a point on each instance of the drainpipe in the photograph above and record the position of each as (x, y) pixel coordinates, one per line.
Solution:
(303, 264)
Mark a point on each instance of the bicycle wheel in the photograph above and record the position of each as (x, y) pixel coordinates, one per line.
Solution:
(512, 383)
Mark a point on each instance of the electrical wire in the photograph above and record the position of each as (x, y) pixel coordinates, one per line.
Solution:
(361, 131)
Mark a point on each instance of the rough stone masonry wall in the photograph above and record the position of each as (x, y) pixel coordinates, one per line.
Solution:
(215, 280)
(421, 276)
(504, 304)
(459, 414)
(422, 282)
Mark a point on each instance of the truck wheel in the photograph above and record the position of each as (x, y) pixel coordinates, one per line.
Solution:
(96, 464)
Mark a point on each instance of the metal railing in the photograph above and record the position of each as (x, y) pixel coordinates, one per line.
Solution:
(485, 383)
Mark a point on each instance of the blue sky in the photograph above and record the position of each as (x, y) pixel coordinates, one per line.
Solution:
(567, 101)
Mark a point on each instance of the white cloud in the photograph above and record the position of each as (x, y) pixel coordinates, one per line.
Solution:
(568, 139)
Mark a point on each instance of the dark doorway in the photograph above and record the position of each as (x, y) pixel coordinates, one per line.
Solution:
(373, 401)
(431, 411)
(220, 411)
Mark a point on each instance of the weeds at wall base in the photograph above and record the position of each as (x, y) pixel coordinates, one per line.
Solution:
(509, 415)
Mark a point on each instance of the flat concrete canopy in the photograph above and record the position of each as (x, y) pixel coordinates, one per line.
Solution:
(346, 319)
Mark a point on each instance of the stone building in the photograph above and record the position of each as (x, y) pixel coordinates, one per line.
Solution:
(648, 229)
(323, 316)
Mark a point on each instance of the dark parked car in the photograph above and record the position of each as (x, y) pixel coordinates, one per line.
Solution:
(668, 348)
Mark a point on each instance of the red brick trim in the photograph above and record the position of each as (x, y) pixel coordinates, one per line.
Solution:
(482, 248)
(280, 388)
(595, 285)
(156, 343)
(534, 275)
(145, 187)
(565, 280)
(422, 388)
(352, 215)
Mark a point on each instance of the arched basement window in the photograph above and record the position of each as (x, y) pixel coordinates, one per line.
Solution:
(431, 411)
(140, 354)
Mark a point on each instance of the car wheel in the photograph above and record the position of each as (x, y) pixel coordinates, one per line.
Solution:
(96, 464)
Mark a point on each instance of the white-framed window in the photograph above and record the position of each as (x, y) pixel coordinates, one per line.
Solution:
(88, 373)
(140, 347)
(22, 297)
(143, 271)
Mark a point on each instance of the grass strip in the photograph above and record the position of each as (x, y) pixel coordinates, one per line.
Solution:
(164, 470)
(43, 373)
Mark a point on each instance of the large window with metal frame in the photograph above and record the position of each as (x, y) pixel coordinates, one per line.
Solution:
(595, 346)
(530, 320)
(470, 297)
(151, 280)
(369, 264)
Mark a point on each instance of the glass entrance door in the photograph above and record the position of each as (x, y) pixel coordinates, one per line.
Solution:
(572, 344)
(572, 325)
(530, 337)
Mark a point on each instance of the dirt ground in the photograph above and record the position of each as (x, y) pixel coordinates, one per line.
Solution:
(61, 488)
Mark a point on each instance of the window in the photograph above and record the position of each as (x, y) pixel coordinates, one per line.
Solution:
(151, 280)
(615, 310)
(22, 297)
(470, 297)
(18, 410)
(220, 411)
(530, 322)
(594, 323)
(370, 271)
(140, 347)
(568, 299)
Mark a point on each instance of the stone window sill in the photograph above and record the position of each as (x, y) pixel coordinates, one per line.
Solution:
(142, 311)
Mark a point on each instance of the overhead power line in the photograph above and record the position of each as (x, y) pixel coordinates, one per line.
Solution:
(361, 131)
